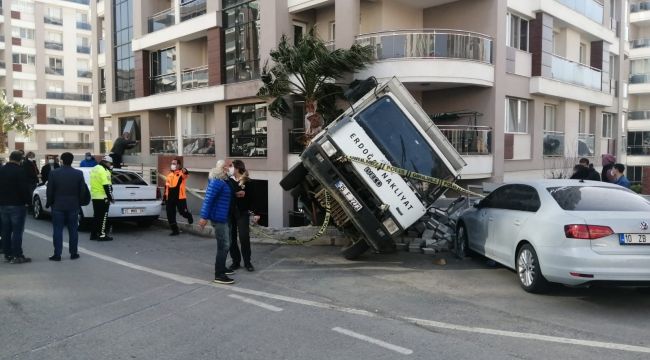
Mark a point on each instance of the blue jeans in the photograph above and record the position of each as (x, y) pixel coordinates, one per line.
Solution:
(222, 233)
(13, 225)
(69, 219)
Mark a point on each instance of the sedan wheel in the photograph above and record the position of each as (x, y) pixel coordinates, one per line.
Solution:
(528, 269)
(38, 208)
(462, 243)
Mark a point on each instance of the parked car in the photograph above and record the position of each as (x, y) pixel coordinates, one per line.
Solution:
(564, 231)
(135, 200)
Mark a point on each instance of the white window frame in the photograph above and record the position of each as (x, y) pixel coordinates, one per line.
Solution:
(332, 29)
(582, 121)
(550, 109)
(516, 42)
(583, 54)
(22, 33)
(608, 126)
(521, 111)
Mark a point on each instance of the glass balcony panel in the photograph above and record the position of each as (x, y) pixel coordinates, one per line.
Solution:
(575, 73)
(468, 140)
(161, 20)
(194, 78)
(199, 144)
(553, 143)
(164, 145)
(586, 144)
(192, 8)
(163, 83)
(589, 8)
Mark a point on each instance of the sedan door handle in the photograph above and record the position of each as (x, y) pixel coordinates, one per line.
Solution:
(517, 222)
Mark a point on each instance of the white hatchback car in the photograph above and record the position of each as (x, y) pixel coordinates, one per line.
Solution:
(135, 200)
(565, 231)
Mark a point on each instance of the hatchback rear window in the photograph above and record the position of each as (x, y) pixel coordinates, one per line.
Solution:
(126, 178)
(597, 198)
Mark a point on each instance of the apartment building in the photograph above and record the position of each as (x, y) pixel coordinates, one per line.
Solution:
(522, 88)
(638, 126)
(45, 63)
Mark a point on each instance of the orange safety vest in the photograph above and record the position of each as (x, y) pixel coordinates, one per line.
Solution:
(172, 181)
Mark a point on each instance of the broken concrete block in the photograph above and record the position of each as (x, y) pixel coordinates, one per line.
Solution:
(429, 251)
(428, 234)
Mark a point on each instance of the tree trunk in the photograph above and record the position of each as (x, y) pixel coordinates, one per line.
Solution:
(3, 140)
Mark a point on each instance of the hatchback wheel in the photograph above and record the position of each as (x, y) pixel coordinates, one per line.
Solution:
(529, 271)
(38, 208)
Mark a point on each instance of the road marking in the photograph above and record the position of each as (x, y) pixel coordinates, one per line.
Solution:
(385, 345)
(256, 303)
(422, 322)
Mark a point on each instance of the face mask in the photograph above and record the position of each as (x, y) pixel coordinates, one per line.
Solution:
(173, 167)
(50, 161)
(231, 171)
(89, 158)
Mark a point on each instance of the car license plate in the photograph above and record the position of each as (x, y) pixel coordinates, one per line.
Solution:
(132, 211)
(634, 239)
(356, 205)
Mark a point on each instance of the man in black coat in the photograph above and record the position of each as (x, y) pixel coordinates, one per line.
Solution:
(64, 192)
(29, 164)
(15, 195)
(119, 147)
(47, 168)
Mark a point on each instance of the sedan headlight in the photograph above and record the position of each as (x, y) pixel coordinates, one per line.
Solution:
(390, 226)
(329, 149)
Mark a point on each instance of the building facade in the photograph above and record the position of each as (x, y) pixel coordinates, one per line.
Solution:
(521, 88)
(45, 48)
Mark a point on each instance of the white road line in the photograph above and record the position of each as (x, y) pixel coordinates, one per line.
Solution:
(316, 304)
(256, 303)
(385, 345)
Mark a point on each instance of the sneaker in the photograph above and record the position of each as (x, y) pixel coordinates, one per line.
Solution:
(230, 272)
(74, 256)
(190, 219)
(249, 267)
(20, 260)
(223, 279)
(104, 238)
(234, 267)
(8, 258)
(55, 258)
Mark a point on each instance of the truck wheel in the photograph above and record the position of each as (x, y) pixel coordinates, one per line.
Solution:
(355, 248)
(295, 176)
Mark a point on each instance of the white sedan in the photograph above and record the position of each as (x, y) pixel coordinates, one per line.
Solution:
(135, 200)
(564, 231)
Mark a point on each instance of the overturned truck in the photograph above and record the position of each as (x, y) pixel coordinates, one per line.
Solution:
(372, 206)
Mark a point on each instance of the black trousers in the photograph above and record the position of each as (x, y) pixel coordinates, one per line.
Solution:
(240, 223)
(100, 219)
(117, 161)
(179, 205)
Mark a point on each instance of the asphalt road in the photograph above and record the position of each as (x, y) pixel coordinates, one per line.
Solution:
(148, 296)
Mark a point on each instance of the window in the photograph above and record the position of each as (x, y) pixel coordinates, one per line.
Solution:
(634, 174)
(56, 113)
(163, 62)
(241, 32)
(299, 29)
(82, 17)
(513, 197)
(55, 66)
(517, 32)
(608, 125)
(124, 61)
(248, 130)
(24, 59)
(516, 116)
(583, 53)
(83, 64)
(131, 125)
(23, 33)
(83, 89)
(640, 66)
(54, 12)
(590, 198)
(582, 122)
(549, 118)
(23, 6)
(126, 178)
(638, 143)
(55, 86)
(332, 28)
(55, 37)
(24, 85)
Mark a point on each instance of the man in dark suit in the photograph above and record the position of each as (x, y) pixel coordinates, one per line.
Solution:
(64, 191)
(15, 195)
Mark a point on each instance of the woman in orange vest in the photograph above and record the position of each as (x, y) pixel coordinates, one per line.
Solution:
(175, 195)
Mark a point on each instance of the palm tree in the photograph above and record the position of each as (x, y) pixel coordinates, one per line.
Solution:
(12, 118)
(308, 71)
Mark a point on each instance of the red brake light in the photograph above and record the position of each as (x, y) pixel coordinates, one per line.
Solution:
(587, 232)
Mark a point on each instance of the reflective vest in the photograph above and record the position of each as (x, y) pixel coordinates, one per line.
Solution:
(173, 178)
(99, 176)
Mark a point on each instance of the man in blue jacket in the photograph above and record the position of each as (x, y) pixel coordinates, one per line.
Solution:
(64, 192)
(216, 206)
(88, 161)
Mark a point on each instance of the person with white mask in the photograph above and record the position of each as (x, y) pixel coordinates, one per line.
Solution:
(175, 195)
(51, 164)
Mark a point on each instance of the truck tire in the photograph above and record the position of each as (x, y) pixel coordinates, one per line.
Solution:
(295, 176)
(355, 248)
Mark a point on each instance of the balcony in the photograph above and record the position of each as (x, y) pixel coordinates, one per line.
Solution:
(68, 145)
(638, 149)
(163, 145)
(639, 115)
(640, 6)
(575, 73)
(85, 74)
(589, 8)
(67, 96)
(83, 25)
(192, 8)
(69, 121)
(194, 78)
(163, 83)
(52, 20)
(586, 144)
(53, 45)
(640, 43)
(82, 49)
(468, 140)
(553, 143)
(640, 79)
(82, 2)
(431, 56)
(53, 71)
(296, 141)
(161, 20)
(198, 145)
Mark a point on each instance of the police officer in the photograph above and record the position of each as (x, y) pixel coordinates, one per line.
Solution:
(101, 192)
(175, 195)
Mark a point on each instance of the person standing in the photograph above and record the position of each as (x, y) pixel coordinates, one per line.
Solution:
(608, 161)
(215, 208)
(14, 197)
(119, 147)
(240, 215)
(175, 195)
(64, 192)
(101, 193)
(52, 164)
(29, 164)
(88, 161)
(619, 178)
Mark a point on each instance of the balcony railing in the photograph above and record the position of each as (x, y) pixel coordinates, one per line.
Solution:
(469, 140)
(163, 83)
(194, 78)
(52, 20)
(429, 44)
(53, 71)
(586, 144)
(81, 49)
(2, 65)
(192, 8)
(161, 20)
(296, 141)
(53, 45)
(589, 8)
(553, 143)
(640, 6)
(565, 70)
(68, 145)
(85, 74)
(639, 115)
(69, 121)
(640, 43)
(163, 145)
(638, 149)
(68, 96)
(102, 96)
(83, 25)
(201, 144)
(83, 2)
(640, 79)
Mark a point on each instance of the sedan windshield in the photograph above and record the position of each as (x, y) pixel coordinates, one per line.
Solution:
(597, 198)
